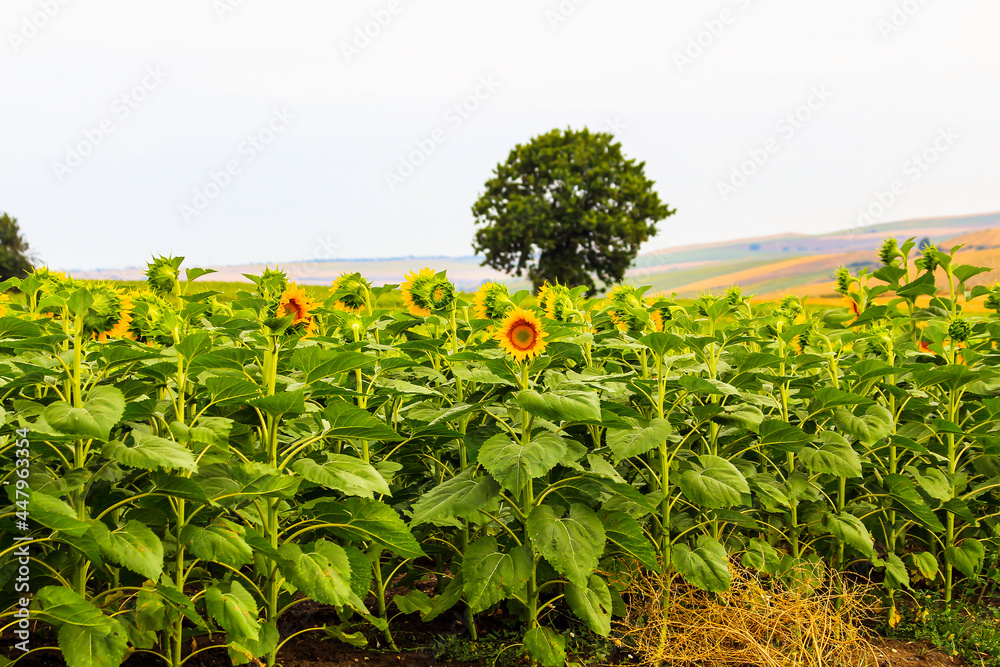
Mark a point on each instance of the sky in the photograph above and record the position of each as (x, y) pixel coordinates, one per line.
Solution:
(233, 131)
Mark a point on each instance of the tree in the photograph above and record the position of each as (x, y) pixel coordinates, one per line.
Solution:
(14, 261)
(565, 206)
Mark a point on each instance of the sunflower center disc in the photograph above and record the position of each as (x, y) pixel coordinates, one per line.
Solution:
(522, 335)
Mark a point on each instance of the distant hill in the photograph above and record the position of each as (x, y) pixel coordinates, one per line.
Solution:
(766, 265)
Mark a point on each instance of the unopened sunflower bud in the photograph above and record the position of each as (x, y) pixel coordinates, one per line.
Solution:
(163, 274)
(889, 252)
(959, 330)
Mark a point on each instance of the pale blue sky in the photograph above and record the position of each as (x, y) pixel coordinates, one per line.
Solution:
(309, 119)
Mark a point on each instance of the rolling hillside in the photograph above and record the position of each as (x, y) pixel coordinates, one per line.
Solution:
(767, 265)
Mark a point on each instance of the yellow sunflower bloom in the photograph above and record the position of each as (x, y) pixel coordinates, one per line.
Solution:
(122, 319)
(295, 302)
(521, 335)
(416, 295)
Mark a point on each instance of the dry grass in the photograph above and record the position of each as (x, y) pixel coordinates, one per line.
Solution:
(754, 623)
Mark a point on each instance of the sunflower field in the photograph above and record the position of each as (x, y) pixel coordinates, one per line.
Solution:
(178, 466)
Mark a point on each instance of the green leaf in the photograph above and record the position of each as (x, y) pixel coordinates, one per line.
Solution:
(625, 533)
(415, 600)
(449, 598)
(361, 519)
(782, 436)
(561, 405)
(896, 576)
(347, 474)
(234, 609)
(967, 557)
(321, 570)
(83, 647)
(835, 456)
(221, 541)
(572, 544)
(706, 566)
(461, 496)
(715, 483)
(926, 563)
(761, 556)
(902, 490)
(133, 546)
(592, 604)
(626, 443)
(285, 402)
(545, 646)
(151, 452)
(347, 421)
(848, 529)
(514, 465)
(100, 412)
(875, 424)
(934, 482)
(491, 575)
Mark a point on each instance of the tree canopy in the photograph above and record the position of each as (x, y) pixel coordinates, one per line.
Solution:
(566, 206)
(14, 261)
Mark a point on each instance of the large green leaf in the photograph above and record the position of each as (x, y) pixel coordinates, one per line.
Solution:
(514, 465)
(934, 482)
(545, 646)
(234, 609)
(347, 421)
(561, 404)
(592, 604)
(320, 570)
(626, 535)
(347, 474)
(87, 637)
(782, 436)
(462, 496)
(870, 427)
(221, 541)
(151, 452)
(83, 647)
(835, 456)
(573, 544)
(285, 402)
(967, 557)
(903, 492)
(95, 419)
(706, 566)
(848, 529)
(715, 483)
(626, 443)
(361, 519)
(490, 575)
(133, 546)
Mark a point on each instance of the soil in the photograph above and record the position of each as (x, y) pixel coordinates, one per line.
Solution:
(896, 653)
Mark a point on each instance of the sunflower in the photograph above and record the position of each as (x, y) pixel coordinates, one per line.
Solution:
(151, 316)
(492, 301)
(163, 274)
(109, 313)
(352, 292)
(555, 300)
(659, 311)
(296, 303)
(520, 335)
(622, 300)
(417, 289)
